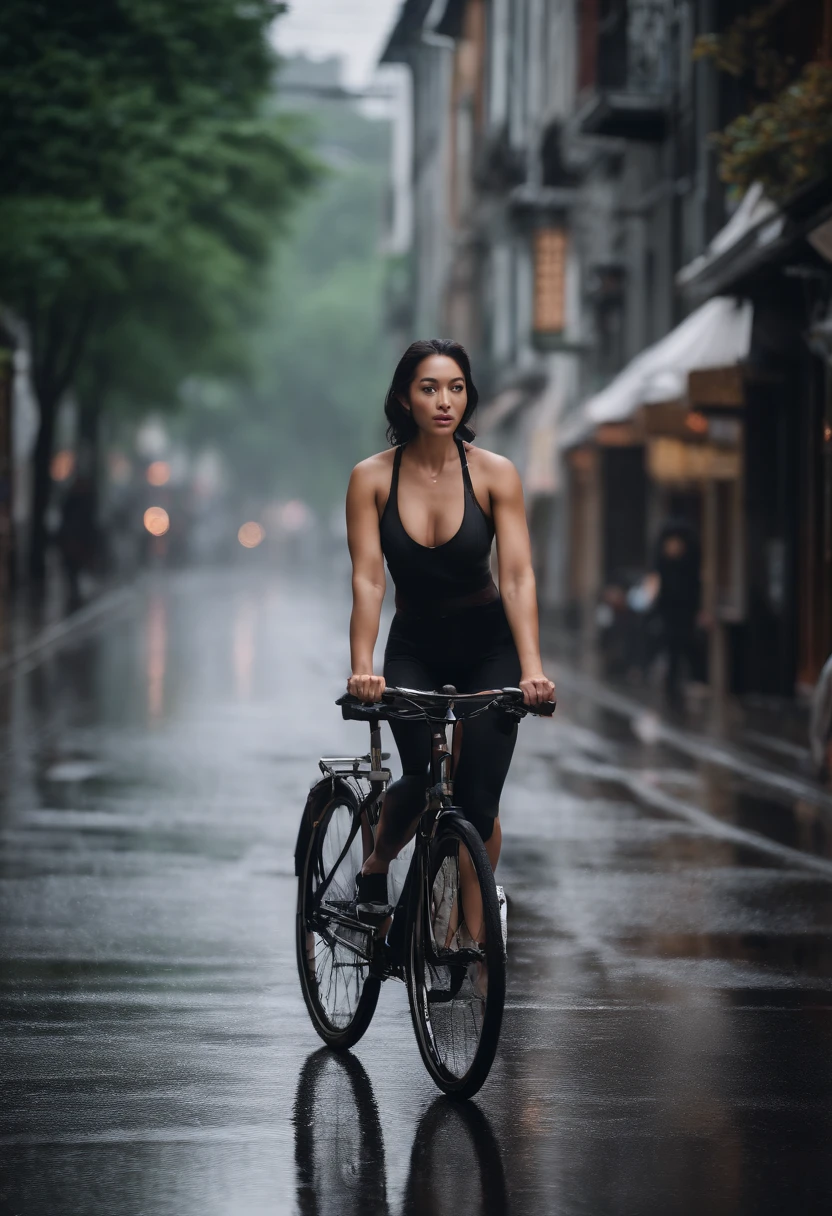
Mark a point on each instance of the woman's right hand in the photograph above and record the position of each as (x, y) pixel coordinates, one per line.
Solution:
(366, 687)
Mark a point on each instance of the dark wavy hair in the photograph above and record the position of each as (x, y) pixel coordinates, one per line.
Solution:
(400, 424)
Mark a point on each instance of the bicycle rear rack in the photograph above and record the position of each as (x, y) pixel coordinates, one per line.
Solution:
(350, 766)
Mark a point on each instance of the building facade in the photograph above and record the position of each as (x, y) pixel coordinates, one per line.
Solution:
(652, 341)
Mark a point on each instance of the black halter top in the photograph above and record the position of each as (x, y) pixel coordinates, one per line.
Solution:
(456, 574)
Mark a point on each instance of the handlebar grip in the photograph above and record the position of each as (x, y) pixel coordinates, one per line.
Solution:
(513, 697)
(353, 710)
(543, 711)
(362, 713)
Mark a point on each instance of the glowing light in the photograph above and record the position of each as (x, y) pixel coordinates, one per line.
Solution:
(157, 521)
(158, 473)
(62, 466)
(696, 422)
(251, 534)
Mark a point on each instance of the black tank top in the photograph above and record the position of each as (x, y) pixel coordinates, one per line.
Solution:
(454, 574)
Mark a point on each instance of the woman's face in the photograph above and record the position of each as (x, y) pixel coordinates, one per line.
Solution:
(438, 395)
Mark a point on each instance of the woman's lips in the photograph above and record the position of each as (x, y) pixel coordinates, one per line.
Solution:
(442, 419)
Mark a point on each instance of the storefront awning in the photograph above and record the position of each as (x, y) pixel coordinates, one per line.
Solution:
(717, 334)
(757, 219)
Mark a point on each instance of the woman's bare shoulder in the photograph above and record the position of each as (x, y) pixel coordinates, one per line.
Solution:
(373, 470)
(494, 472)
(496, 468)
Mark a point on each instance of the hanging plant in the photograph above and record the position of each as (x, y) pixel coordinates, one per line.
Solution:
(748, 50)
(784, 143)
(785, 140)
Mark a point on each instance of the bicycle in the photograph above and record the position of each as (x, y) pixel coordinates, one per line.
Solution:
(445, 940)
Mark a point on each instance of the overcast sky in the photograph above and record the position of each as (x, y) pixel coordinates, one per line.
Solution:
(354, 29)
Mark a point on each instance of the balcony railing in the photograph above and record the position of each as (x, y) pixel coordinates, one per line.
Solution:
(627, 78)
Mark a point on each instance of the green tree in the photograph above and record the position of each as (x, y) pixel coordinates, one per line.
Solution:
(141, 175)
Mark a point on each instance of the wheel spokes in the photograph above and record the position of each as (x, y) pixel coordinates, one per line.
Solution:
(337, 946)
(454, 963)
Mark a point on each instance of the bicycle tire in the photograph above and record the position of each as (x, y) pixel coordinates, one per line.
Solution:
(457, 1025)
(340, 1028)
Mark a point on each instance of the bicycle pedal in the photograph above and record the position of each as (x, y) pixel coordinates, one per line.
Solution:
(373, 914)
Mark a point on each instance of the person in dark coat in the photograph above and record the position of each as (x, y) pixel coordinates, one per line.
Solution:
(679, 600)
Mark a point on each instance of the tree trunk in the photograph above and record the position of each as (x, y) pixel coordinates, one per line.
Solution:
(89, 433)
(55, 360)
(89, 453)
(41, 488)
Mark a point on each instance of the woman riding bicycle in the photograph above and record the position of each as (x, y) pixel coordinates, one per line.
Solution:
(431, 506)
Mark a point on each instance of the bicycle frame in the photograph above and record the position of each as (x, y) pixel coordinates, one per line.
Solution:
(439, 796)
(438, 802)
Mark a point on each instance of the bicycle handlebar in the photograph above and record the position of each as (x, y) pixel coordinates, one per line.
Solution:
(509, 700)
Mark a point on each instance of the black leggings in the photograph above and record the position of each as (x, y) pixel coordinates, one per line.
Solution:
(472, 649)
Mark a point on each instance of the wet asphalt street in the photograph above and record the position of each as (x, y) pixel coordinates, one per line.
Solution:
(667, 1044)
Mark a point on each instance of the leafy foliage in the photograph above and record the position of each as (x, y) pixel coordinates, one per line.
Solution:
(784, 143)
(749, 49)
(785, 138)
(142, 183)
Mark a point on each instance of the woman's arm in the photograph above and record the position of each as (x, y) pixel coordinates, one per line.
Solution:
(368, 583)
(517, 582)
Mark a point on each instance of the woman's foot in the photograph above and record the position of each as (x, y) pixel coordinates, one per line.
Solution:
(371, 903)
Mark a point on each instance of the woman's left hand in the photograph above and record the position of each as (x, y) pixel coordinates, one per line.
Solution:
(537, 689)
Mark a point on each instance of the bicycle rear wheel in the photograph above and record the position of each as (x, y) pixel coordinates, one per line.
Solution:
(333, 947)
(456, 971)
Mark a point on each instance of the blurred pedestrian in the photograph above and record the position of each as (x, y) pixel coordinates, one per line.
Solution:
(77, 536)
(678, 602)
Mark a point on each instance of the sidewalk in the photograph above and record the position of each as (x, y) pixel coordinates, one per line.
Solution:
(763, 741)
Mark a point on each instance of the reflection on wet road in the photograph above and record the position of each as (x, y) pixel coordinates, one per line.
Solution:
(667, 1045)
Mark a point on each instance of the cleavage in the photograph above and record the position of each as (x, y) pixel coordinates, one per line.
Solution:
(440, 519)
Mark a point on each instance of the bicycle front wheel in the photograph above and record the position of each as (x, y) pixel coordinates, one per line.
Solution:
(333, 948)
(456, 970)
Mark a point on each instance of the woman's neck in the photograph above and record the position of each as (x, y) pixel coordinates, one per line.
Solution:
(432, 452)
